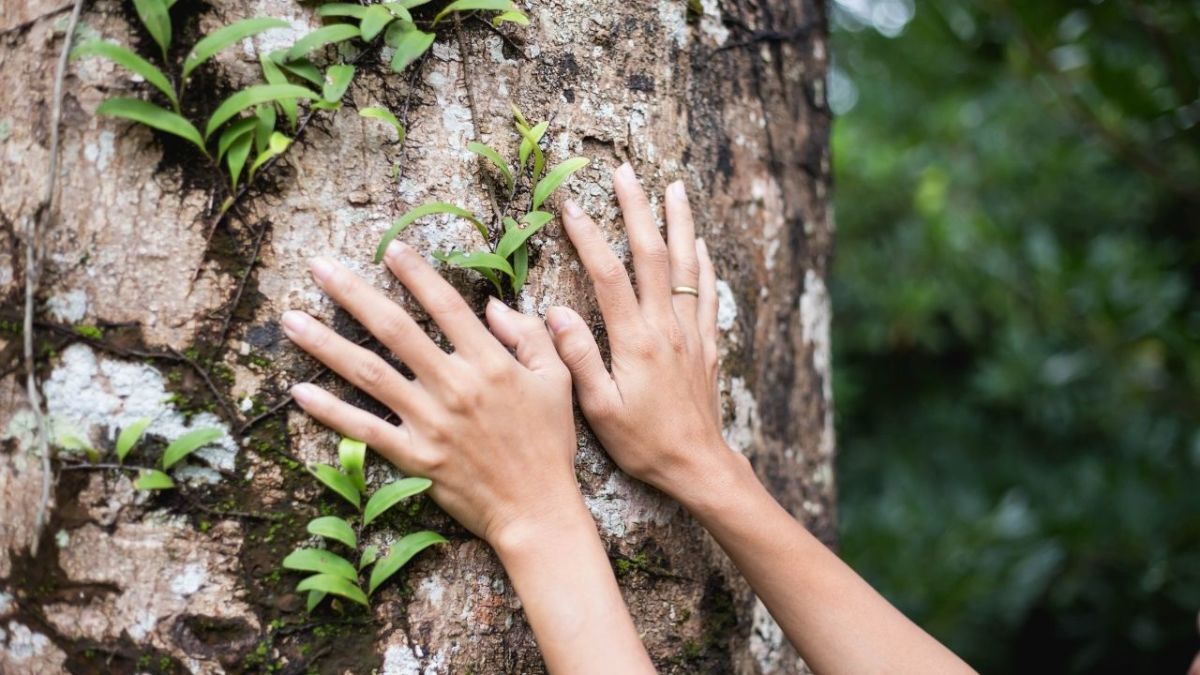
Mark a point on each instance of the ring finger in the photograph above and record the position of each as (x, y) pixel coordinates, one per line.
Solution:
(685, 268)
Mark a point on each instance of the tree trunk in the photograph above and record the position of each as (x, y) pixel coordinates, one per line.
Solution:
(732, 101)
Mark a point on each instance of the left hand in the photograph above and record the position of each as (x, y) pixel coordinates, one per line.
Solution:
(494, 431)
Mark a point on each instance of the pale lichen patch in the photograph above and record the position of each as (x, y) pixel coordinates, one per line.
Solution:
(741, 428)
(815, 317)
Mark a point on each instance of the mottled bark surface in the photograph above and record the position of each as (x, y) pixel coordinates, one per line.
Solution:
(733, 102)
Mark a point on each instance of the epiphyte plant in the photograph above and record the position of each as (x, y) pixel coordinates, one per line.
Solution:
(508, 251)
(334, 574)
(148, 478)
(290, 75)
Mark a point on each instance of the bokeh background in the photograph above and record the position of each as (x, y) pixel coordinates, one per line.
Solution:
(1017, 331)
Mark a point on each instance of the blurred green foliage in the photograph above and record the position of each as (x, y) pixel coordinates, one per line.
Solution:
(1017, 331)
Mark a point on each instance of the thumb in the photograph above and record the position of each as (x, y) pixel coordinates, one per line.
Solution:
(577, 348)
(525, 335)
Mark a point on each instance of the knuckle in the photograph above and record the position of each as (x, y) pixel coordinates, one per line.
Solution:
(611, 273)
(392, 325)
(460, 396)
(656, 254)
(688, 268)
(496, 369)
(427, 462)
(370, 372)
(444, 302)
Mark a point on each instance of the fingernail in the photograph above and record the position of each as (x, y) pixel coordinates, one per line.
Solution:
(395, 249)
(303, 393)
(677, 190)
(495, 304)
(559, 319)
(294, 322)
(322, 268)
(626, 171)
(573, 209)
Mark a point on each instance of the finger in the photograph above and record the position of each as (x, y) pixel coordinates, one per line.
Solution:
(614, 293)
(681, 242)
(706, 310)
(361, 367)
(528, 337)
(577, 348)
(388, 440)
(386, 320)
(440, 299)
(650, 257)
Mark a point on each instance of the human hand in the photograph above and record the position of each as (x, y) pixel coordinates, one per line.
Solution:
(494, 433)
(658, 412)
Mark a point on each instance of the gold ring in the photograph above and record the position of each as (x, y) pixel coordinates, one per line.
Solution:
(685, 289)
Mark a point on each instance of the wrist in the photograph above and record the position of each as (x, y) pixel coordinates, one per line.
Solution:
(533, 533)
(717, 477)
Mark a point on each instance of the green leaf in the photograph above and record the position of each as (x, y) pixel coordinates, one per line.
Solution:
(236, 159)
(131, 62)
(337, 481)
(187, 444)
(520, 267)
(352, 455)
(376, 18)
(152, 116)
(342, 9)
(369, 555)
(253, 95)
(232, 133)
(320, 37)
(515, 237)
(332, 527)
(221, 38)
(391, 494)
(264, 125)
(274, 75)
(375, 112)
(530, 142)
(157, 21)
(410, 45)
(314, 599)
(337, 80)
(276, 145)
(555, 178)
(327, 583)
(301, 68)
(513, 17)
(475, 260)
(153, 479)
(402, 551)
(399, 10)
(129, 437)
(468, 5)
(421, 211)
(495, 158)
(518, 116)
(320, 561)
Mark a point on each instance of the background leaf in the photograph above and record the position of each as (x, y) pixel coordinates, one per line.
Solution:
(129, 437)
(320, 561)
(530, 143)
(332, 527)
(376, 18)
(512, 17)
(337, 481)
(341, 9)
(221, 38)
(188, 443)
(232, 133)
(320, 37)
(273, 75)
(337, 80)
(515, 236)
(409, 44)
(264, 125)
(555, 177)
(496, 160)
(131, 62)
(376, 112)
(277, 145)
(391, 494)
(402, 551)
(369, 555)
(469, 5)
(157, 21)
(314, 599)
(152, 116)
(153, 479)
(236, 159)
(428, 209)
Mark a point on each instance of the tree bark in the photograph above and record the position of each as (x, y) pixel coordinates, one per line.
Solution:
(731, 101)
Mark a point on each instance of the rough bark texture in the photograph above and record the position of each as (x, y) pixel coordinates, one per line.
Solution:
(731, 101)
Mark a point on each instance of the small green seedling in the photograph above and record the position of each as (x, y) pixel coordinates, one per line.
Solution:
(508, 256)
(334, 574)
(177, 450)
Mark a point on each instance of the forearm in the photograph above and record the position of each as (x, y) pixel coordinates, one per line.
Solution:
(837, 622)
(571, 598)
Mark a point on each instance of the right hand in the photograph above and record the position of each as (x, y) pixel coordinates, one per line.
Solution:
(658, 412)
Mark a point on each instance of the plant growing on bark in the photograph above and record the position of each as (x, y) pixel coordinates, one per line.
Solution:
(284, 70)
(148, 478)
(508, 252)
(332, 573)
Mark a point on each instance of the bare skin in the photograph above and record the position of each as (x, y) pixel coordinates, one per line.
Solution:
(657, 414)
(503, 466)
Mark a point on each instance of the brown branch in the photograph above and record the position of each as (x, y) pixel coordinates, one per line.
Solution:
(237, 296)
